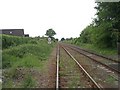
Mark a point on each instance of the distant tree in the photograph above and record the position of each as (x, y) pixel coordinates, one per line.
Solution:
(56, 39)
(69, 38)
(62, 39)
(104, 31)
(50, 33)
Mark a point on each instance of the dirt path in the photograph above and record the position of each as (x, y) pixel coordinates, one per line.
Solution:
(47, 77)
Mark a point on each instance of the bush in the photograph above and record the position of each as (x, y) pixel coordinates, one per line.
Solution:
(41, 51)
(23, 56)
(10, 41)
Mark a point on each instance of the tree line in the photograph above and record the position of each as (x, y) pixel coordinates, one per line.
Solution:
(104, 31)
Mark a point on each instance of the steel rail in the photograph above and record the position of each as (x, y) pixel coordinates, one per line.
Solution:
(110, 68)
(108, 58)
(89, 76)
(57, 70)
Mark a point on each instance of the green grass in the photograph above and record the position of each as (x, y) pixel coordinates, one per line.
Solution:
(28, 61)
(0, 85)
(29, 81)
(74, 82)
(25, 52)
(103, 51)
(94, 48)
(110, 79)
(11, 41)
(32, 55)
(9, 84)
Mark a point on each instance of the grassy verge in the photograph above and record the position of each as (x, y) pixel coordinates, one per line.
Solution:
(22, 62)
(0, 85)
(93, 48)
(103, 51)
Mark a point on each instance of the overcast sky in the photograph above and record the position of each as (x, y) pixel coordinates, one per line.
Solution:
(67, 17)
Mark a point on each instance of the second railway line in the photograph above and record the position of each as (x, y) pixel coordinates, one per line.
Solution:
(69, 74)
(110, 64)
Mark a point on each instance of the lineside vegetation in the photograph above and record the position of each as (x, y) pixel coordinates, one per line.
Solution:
(22, 59)
(103, 33)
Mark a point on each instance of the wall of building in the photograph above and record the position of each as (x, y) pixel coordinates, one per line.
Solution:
(15, 32)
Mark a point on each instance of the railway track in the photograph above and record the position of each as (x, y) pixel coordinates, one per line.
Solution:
(105, 61)
(57, 70)
(89, 78)
(108, 58)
